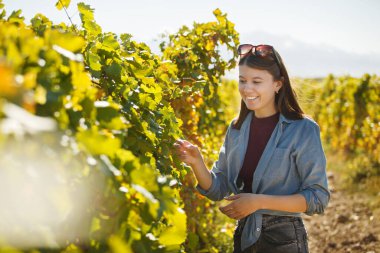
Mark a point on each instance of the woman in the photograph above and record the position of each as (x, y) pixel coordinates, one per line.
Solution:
(272, 160)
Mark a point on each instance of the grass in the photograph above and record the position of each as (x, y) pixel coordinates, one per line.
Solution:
(345, 176)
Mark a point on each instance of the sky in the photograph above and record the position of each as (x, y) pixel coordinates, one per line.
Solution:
(313, 37)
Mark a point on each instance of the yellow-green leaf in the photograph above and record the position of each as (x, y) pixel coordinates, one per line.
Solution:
(175, 234)
(90, 139)
(62, 4)
(118, 245)
(67, 41)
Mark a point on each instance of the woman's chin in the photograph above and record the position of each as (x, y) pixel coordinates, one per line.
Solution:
(251, 106)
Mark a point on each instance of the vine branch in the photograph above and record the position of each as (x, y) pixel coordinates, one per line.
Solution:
(67, 14)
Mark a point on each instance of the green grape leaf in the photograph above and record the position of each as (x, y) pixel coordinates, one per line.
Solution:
(67, 41)
(149, 133)
(87, 16)
(108, 115)
(110, 43)
(2, 14)
(92, 28)
(90, 139)
(149, 210)
(118, 245)
(62, 4)
(175, 233)
(145, 177)
(86, 13)
(94, 61)
(114, 70)
(16, 17)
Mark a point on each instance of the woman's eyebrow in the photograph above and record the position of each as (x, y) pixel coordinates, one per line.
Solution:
(255, 77)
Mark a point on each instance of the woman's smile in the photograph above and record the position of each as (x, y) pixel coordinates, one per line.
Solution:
(252, 98)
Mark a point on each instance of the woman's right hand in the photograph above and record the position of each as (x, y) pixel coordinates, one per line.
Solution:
(187, 152)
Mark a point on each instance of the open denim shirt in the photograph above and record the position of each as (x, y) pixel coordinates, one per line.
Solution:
(293, 161)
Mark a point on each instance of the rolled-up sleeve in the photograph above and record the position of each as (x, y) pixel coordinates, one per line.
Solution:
(219, 186)
(311, 165)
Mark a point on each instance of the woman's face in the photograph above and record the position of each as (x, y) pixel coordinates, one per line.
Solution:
(258, 89)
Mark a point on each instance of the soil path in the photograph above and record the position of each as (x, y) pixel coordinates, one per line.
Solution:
(348, 224)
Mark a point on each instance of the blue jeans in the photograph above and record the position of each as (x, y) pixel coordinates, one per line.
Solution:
(279, 234)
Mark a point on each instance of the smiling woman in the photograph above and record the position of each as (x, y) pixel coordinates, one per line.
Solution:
(272, 160)
(257, 90)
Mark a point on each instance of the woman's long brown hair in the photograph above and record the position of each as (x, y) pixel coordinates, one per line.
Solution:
(286, 99)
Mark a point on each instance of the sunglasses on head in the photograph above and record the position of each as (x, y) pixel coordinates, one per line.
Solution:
(263, 51)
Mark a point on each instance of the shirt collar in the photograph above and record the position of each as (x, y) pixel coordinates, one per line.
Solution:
(282, 118)
(285, 119)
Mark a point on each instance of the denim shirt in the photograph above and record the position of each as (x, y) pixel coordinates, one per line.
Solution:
(293, 161)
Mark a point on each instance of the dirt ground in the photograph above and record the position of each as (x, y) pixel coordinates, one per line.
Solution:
(348, 224)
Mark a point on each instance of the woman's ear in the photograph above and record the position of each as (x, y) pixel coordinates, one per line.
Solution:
(280, 83)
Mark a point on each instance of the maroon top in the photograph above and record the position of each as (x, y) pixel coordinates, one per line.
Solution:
(260, 131)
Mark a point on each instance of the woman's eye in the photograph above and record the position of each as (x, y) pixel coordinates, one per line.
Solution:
(242, 81)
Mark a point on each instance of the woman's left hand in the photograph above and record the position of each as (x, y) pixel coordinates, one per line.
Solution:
(241, 206)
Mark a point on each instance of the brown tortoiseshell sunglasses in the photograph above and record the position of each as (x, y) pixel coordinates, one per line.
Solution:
(259, 50)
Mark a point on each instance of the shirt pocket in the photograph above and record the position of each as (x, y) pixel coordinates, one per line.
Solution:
(279, 176)
(281, 154)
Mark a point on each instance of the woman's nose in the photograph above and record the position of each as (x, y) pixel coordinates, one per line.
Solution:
(248, 88)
